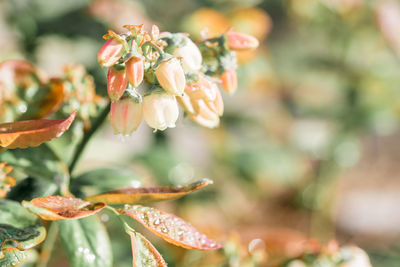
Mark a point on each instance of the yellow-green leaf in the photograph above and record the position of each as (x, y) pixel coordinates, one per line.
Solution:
(148, 194)
(144, 253)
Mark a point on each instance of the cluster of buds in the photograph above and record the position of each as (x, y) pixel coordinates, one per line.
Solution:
(149, 74)
(77, 91)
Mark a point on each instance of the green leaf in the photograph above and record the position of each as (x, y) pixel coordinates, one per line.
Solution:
(12, 257)
(31, 188)
(103, 180)
(144, 253)
(19, 230)
(65, 145)
(38, 162)
(86, 242)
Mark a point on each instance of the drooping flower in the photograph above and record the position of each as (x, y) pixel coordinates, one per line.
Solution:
(135, 70)
(190, 54)
(171, 77)
(126, 115)
(117, 82)
(203, 102)
(160, 110)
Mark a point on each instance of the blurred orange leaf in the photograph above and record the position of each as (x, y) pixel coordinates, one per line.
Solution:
(144, 253)
(148, 194)
(54, 98)
(170, 227)
(55, 208)
(22, 134)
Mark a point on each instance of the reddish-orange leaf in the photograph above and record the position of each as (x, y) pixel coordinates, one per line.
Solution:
(144, 253)
(148, 194)
(22, 134)
(170, 227)
(53, 208)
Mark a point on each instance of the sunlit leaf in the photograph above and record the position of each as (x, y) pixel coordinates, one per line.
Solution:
(170, 227)
(55, 208)
(19, 230)
(148, 194)
(12, 257)
(104, 179)
(22, 134)
(144, 253)
(86, 242)
(38, 162)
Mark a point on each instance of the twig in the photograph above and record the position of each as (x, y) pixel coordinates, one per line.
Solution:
(87, 136)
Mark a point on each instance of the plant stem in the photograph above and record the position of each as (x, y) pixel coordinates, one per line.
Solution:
(87, 136)
(48, 245)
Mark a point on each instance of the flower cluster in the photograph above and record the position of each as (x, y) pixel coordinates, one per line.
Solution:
(149, 74)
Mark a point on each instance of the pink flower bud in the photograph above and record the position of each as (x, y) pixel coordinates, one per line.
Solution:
(160, 110)
(135, 70)
(126, 116)
(171, 77)
(116, 83)
(241, 41)
(229, 81)
(190, 54)
(110, 53)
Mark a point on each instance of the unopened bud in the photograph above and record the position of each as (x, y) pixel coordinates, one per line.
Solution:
(229, 81)
(110, 53)
(135, 70)
(160, 110)
(241, 41)
(190, 54)
(171, 77)
(126, 115)
(116, 83)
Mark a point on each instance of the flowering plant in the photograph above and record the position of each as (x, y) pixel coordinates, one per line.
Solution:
(148, 75)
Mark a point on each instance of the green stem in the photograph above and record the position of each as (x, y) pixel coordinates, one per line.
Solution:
(48, 245)
(87, 136)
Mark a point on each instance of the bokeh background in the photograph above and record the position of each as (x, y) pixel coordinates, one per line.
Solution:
(308, 147)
